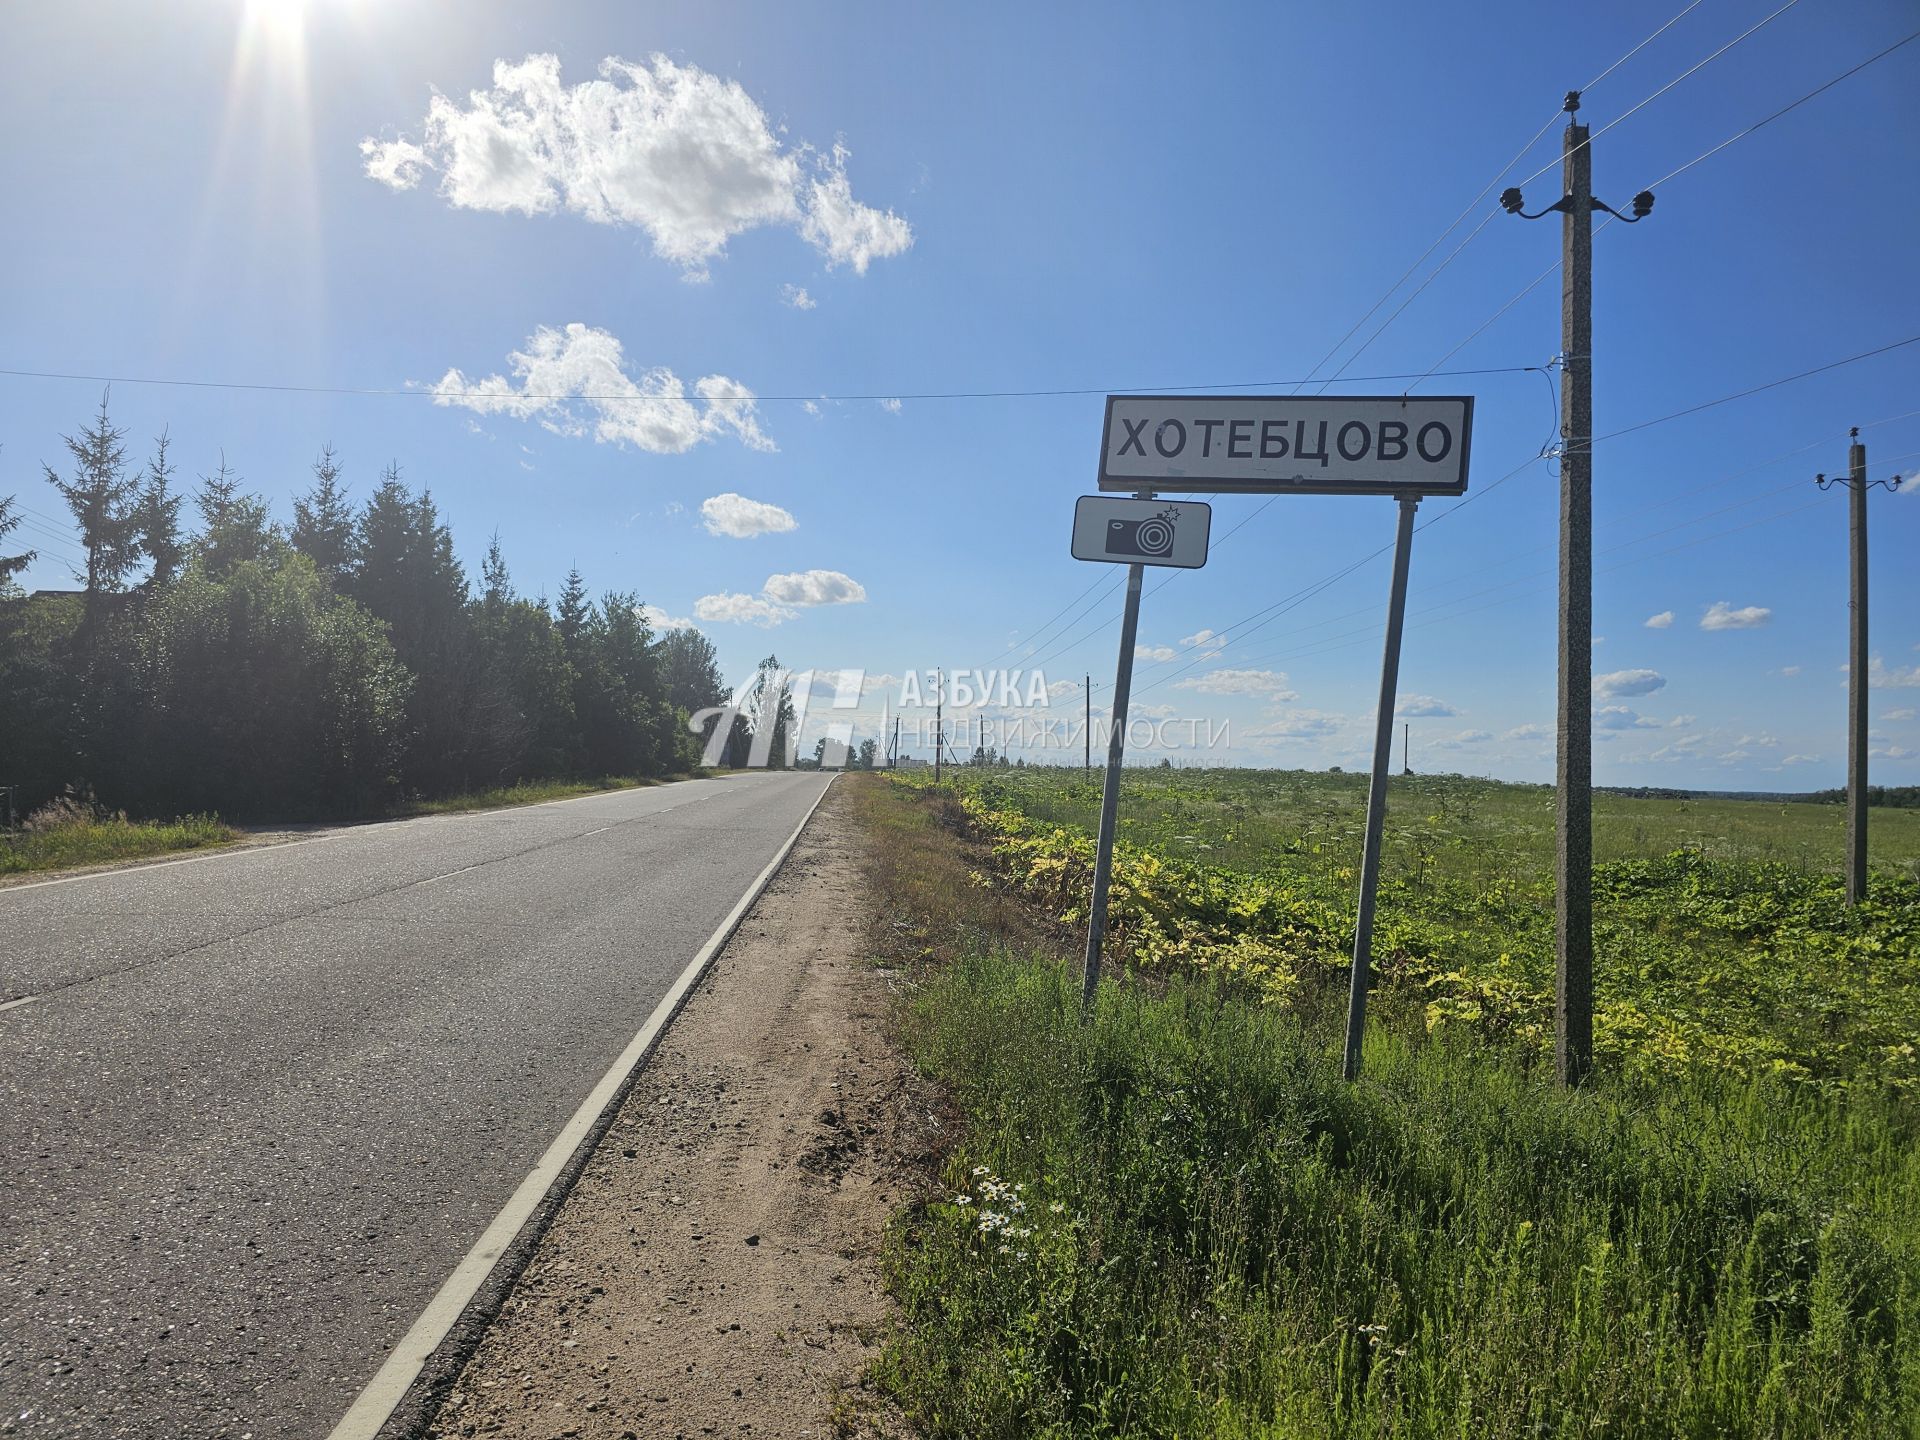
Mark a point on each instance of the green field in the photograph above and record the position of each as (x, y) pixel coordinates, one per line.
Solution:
(1722, 940)
(1178, 1220)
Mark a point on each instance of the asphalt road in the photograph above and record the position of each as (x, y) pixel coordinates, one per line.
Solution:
(267, 1100)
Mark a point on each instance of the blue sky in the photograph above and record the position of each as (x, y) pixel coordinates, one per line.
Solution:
(1027, 198)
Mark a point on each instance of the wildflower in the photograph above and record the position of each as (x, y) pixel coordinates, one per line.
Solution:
(1056, 1208)
(1005, 1249)
(980, 1170)
(963, 1199)
(1018, 1254)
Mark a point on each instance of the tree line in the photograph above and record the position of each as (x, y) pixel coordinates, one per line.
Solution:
(329, 667)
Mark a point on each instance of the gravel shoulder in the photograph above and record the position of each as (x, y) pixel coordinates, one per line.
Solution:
(715, 1270)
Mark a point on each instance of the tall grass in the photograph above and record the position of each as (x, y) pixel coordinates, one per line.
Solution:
(1225, 1239)
(72, 831)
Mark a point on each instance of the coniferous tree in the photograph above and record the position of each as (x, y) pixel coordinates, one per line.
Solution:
(575, 613)
(236, 526)
(690, 671)
(11, 565)
(101, 496)
(156, 513)
(496, 585)
(323, 521)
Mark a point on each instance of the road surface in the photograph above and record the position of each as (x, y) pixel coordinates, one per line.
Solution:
(266, 1100)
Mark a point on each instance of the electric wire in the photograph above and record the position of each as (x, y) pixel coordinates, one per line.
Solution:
(419, 393)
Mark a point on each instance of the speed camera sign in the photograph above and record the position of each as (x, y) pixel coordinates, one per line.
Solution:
(1141, 532)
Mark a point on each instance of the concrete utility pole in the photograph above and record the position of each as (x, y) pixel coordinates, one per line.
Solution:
(1087, 732)
(1573, 775)
(1857, 661)
(939, 732)
(1573, 778)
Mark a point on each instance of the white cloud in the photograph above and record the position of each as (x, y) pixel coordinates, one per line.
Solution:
(1733, 757)
(742, 609)
(1660, 621)
(1417, 707)
(1154, 652)
(1801, 760)
(574, 382)
(1889, 752)
(892, 407)
(1298, 725)
(660, 621)
(1268, 684)
(1789, 671)
(1460, 740)
(797, 297)
(1722, 616)
(1199, 637)
(810, 407)
(1619, 717)
(1761, 739)
(742, 519)
(1881, 676)
(396, 163)
(840, 227)
(1627, 682)
(814, 587)
(680, 153)
(1898, 715)
(1681, 749)
(1528, 732)
(1680, 722)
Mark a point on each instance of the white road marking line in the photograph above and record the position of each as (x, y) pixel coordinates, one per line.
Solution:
(389, 1386)
(604, 828)
(222, 854)
(230, 852)
(16, 1004)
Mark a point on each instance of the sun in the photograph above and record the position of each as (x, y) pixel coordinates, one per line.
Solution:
(279, 19)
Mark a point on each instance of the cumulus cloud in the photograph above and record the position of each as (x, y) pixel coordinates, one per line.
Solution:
(892, 407)
(1789, 671)
(574, 382)
(1528, 732)
(1619, 717)
(395, 163)
(1154, 652)
(1660, 621)
(1420, 707)
(669, 149)
(782, 598)
(1298, 725)
(1722, 616)
(1267, 684)
(840, 227)
(1627, 682)
(742, 610)
(1882, 676)
(1199, 637)
(814, 587)
(1801, 760)
(1889, 752)
(737, 516)
(1460, 740)
(1906, 714)
(1680, 722)
(660, 621)
(797, 297)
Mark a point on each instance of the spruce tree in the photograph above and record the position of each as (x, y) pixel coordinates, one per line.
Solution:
(101, 496)
(323, 520)
(11, 565)
(157, 516)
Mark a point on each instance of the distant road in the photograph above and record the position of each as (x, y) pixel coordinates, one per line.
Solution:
(266, 1100)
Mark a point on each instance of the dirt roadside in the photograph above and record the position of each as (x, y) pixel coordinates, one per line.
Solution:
(715, 1271)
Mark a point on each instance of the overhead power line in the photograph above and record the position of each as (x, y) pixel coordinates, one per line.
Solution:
(418, 393)
(1465, 211)
(1534, 283)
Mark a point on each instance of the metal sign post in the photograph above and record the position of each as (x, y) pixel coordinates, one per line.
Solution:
(1362, 973)
(1406, 446)
(1136, 533)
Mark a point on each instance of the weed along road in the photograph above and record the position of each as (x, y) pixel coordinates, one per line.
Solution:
(262, 1104)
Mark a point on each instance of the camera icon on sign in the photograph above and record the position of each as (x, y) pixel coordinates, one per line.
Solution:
(1153, 537)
